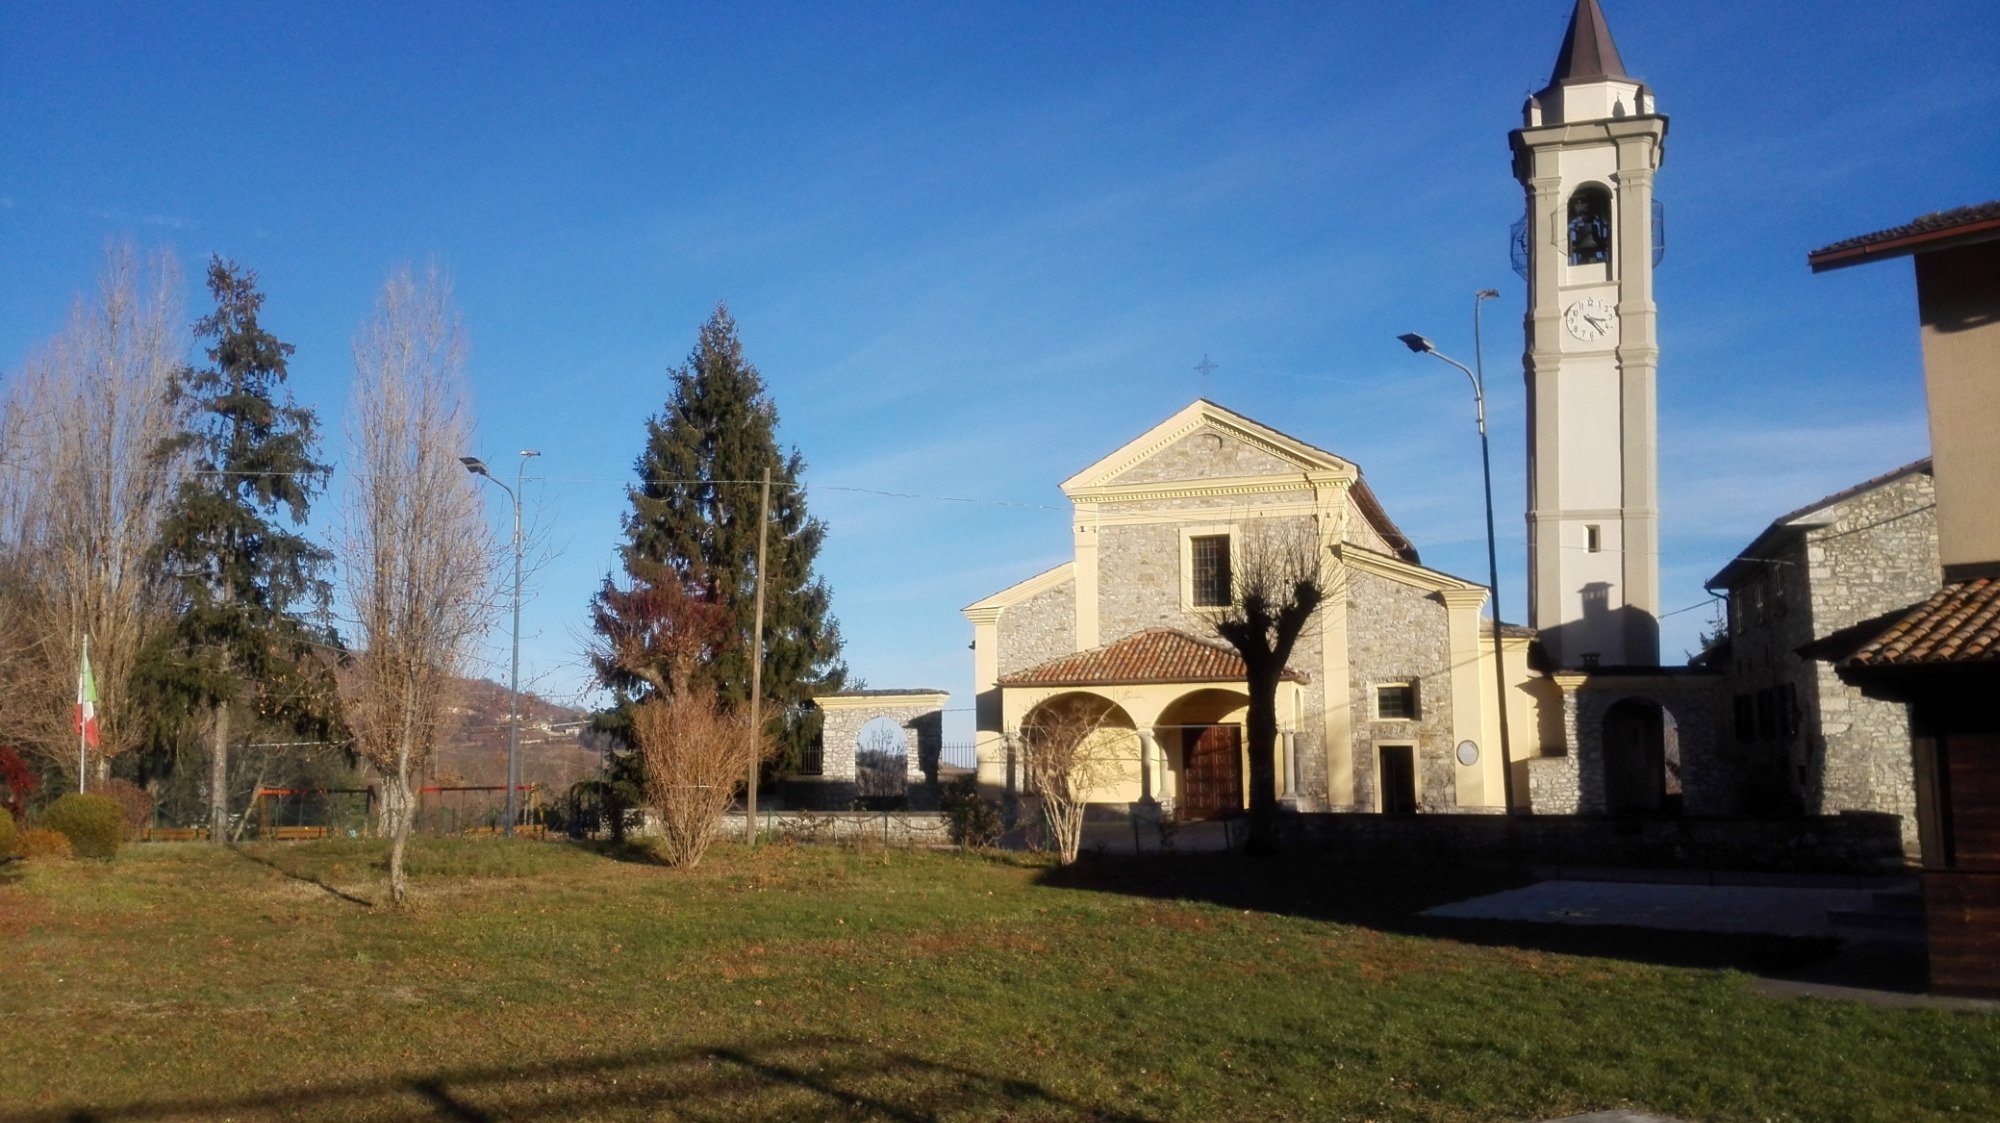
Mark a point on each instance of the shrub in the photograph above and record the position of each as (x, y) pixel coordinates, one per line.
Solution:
(17, 782)
(974, 819)
(135, 805)
(94, 824)
(7, 833)
(43, 843)
(694, 754)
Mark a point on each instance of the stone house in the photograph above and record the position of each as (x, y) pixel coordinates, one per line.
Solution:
(1389, 702)
(1941, 655)
(1804, 740)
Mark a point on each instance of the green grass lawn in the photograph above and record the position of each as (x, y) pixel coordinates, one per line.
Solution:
(549, 981)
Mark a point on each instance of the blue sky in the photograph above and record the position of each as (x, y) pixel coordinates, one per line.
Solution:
(974, 247)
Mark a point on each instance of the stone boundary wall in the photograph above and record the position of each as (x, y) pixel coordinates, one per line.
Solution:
(883, 828)
(1852, 842)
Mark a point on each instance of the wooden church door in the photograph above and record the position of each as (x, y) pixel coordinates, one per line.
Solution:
(1212, 779)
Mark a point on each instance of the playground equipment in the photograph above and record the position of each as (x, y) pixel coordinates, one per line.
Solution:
(443, 810)
(286, 814)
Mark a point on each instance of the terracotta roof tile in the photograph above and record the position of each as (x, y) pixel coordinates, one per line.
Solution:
(1960, 624)
(1960, 220)
(1154, 655)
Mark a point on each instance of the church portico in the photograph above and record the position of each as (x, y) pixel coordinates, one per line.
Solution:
(1153, 735)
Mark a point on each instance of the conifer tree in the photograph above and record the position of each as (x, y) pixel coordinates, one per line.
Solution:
(694, 513)
(253, 598)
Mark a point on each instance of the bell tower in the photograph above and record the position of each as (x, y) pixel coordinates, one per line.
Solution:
(1585, 155)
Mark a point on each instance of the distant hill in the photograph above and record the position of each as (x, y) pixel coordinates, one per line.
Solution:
(554, 751)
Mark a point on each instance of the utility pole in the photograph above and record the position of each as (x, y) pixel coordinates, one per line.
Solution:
(478, 468)
(1422, 346)
(757, 666)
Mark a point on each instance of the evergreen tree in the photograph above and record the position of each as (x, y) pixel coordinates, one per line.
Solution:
(253, 600)
(694, 512)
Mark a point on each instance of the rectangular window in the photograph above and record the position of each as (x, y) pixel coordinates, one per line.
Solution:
(1746, 719)
(1593, 540)
(1208, 570)
(1767, 715)
(1396, 701)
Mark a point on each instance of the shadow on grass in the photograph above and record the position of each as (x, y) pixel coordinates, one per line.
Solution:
(630, 850)
(1392, 899)
(304, 878)
(807, 1078)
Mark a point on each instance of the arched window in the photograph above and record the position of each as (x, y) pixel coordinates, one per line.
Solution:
(1590, 225)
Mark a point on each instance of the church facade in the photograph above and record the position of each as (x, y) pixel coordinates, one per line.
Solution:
(1389, 699)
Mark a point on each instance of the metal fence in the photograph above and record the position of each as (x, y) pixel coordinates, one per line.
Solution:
(963, 755)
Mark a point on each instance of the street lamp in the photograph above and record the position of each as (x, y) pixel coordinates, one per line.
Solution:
(478, 468)
(1422, 346)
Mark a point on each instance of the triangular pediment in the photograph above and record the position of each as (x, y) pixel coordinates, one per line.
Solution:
(1205, 441)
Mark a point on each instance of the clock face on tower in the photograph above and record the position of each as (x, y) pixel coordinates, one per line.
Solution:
(1590, 319)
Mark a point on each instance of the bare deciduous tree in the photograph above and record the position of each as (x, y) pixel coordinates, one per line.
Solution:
(882, 761)
(417, 555)
(695, 755)
(1067, 751)
(82, 491)
(1277, 585)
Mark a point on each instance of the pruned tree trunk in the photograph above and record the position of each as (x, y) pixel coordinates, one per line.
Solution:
(1275, 591)
(1261, 728)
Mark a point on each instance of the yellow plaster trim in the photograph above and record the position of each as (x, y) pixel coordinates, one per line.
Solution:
(1463, 598)
(1304, 483)
(1239, 514)
(879, 701)
(1395, 569)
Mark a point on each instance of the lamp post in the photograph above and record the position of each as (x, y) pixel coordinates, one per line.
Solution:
(478, 468)
(1422, 346)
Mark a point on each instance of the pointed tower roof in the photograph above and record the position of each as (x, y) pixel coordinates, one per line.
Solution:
(1587, 51)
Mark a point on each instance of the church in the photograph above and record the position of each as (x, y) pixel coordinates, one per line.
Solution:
(1392, 700)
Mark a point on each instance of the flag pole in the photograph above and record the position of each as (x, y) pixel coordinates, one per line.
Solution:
(82, 737)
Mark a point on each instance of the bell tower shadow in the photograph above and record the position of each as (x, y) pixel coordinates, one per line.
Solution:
(1603, 636)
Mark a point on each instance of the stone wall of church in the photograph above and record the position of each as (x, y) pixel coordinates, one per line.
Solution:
(1038, 629)
(1399, 634)
(1360, 532)
(1139, 564)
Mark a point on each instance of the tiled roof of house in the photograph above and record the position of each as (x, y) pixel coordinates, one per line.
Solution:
(1958, 624)
(1154, 655)
(1958, 222)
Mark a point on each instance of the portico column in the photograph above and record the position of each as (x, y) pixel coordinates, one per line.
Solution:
(1146, 749)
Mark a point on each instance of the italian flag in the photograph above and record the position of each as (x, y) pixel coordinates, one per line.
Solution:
(86, 700)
